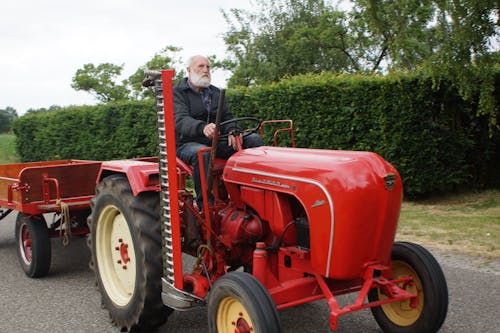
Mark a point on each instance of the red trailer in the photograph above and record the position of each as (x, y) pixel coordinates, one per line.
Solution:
(58, 189)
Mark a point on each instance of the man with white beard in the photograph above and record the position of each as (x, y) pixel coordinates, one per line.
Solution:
(195, 109)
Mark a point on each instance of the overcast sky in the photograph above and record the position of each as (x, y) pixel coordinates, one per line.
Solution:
(44, 42)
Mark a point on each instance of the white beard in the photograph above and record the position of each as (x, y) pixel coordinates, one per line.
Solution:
(200, 80)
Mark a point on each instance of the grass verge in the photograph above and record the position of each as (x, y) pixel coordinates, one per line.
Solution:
(463, 223)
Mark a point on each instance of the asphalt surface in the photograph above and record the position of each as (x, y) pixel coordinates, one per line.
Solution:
(67, 300)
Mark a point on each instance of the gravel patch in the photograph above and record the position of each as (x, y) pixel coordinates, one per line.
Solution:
(468, 262)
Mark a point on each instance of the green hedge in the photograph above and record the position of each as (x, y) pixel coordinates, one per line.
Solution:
(103, 132)
(432, 137)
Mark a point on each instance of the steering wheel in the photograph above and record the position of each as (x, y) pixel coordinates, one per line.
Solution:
(238, 130)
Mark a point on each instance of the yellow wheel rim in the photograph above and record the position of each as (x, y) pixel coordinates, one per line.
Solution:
(115, 255)
(232, 317)
(402, 313)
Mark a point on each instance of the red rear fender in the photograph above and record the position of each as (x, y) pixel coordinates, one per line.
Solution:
(142, 175)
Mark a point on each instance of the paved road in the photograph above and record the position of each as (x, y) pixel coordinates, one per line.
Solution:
(67, 301)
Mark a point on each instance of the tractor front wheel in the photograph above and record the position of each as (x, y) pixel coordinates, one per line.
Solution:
(238, 302)
(33, 245)
(125, 242)
(428, 312)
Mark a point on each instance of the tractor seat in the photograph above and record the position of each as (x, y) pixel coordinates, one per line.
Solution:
(185, 168)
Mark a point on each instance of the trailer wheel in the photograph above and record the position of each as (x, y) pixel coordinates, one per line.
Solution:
(125, 242)
(429, 284)
(33, 245)
(238, 302)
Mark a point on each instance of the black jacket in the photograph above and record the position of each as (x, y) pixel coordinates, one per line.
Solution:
(190, 114)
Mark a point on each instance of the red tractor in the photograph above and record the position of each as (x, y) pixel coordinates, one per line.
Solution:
(288, 226)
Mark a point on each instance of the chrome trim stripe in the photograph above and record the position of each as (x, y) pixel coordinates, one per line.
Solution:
(308, 181)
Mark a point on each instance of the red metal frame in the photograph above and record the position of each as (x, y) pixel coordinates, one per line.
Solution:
(168, 102)
(281, 130)
(289, 287)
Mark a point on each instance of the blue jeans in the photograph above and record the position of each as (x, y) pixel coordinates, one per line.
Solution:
(188, 152)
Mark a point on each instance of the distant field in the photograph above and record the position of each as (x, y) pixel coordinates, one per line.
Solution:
(8, 152)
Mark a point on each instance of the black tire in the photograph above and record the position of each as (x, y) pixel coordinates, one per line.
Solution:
(241, 293)
(125, 241)
(430, 286)
(33, 245)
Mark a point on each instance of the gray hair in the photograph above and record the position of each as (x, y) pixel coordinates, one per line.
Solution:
(190, 60)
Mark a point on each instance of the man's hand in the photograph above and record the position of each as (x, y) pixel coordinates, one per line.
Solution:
(209, 130)
(235, 142)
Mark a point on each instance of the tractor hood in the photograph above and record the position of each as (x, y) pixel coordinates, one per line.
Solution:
(349, 197)
(331, 168)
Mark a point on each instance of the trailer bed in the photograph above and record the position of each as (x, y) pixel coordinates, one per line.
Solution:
(39, 187)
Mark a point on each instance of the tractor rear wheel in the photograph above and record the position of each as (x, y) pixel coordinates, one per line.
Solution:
(125, 242)
(238, 302)
(33, 245)
(429, 283)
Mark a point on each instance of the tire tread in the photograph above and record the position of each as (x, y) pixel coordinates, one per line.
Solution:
(435, 291)
(149, 311)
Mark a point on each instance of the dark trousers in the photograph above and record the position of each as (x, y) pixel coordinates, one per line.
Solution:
(188, 152)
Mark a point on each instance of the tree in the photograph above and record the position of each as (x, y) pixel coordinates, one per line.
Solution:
(285, 38)
(7, 116)
(453, 39)
(164, 59)
(456, 40)
(100, 82)
(399, 32)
